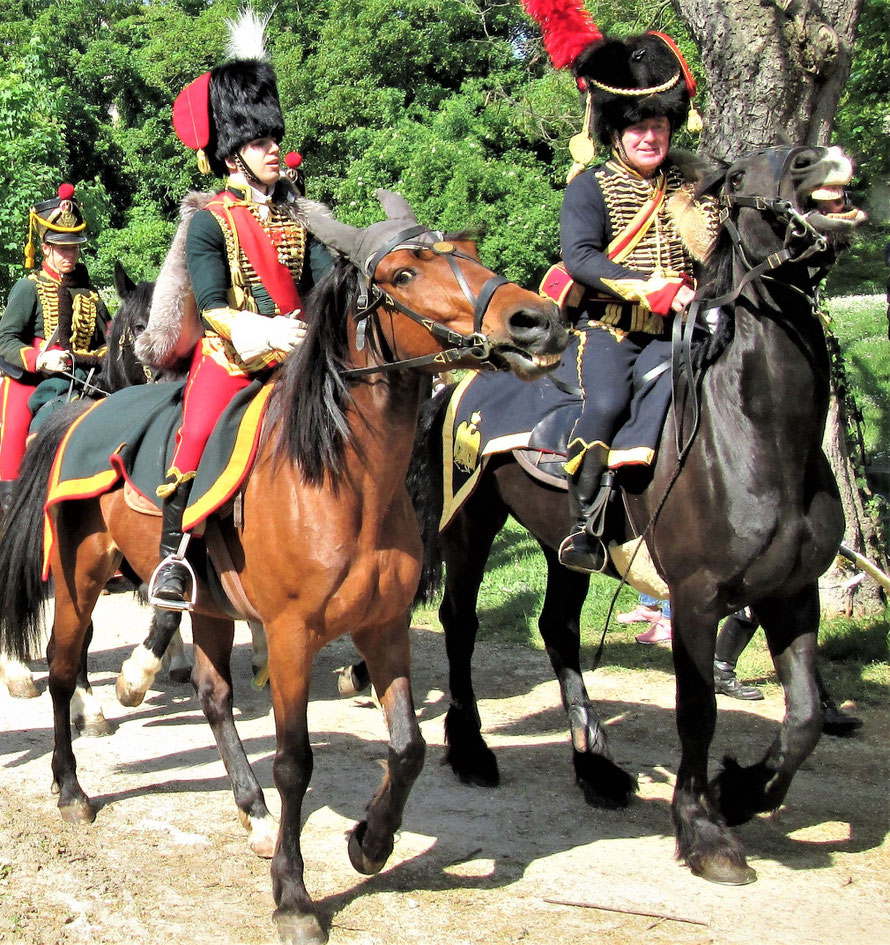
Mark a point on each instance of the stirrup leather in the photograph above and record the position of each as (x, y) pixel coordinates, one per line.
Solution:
(178, 557)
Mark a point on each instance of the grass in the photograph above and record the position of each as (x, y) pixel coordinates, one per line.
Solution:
(860, 325)
(854, 654)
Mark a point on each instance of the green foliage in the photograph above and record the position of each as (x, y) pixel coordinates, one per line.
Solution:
(32, 150)
(860, 324)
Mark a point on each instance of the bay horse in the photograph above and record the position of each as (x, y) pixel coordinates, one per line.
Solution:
(328, 542)
(742, 510)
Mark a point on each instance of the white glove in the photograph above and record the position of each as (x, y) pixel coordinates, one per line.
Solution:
(285, 333)
(53, 362)
(250, 335)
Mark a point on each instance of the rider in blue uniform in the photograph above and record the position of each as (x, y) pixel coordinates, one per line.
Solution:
(625, 244)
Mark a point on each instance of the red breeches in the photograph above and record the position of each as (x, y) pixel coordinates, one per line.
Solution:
(15, 419)
(211, 384)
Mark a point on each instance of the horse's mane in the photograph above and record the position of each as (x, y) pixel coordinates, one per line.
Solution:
(716, 280)
(307, 411)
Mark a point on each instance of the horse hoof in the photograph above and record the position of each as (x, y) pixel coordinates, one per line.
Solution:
(126, 695)
(296, 929)
(77, 812)
(725, 873)
(22, 689)
(350, 682)
(181, 675)
(263, 836)
(360, 862)
(93, 726)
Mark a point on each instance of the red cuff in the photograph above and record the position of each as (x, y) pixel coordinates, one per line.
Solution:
(29, 357)
(660, 300)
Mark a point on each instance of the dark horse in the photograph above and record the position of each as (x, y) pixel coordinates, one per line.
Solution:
(327, 544)
(749, 516)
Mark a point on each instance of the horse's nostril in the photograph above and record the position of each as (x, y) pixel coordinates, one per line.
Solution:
(524, 319)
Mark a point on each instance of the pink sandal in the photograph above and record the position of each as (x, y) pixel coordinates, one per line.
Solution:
(659, 632)
(640, 614)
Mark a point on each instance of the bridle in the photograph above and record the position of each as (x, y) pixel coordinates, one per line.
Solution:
(371, 298)
(797, 228)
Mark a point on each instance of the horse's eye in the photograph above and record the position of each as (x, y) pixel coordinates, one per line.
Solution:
(403, 277)
(735, 180)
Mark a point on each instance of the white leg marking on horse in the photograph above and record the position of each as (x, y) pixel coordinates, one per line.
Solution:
(18, 678)
(262, 835)
(87, 714)
(136, 676)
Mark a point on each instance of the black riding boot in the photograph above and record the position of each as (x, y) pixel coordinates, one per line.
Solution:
(172, 585)
(734, 636)
(589, 490)
(834, 720)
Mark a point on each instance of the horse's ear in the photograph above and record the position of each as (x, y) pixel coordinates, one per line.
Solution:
(339, 236)
(123, 284)
(395, 206)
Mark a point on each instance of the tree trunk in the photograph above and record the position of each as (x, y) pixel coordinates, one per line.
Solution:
(774, 71)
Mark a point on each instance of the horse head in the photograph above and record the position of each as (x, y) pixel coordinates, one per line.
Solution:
(789, 206)
(460, 314)
(121, 366)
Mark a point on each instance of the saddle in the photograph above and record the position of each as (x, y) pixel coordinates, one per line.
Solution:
(130, 436)
(495, 414)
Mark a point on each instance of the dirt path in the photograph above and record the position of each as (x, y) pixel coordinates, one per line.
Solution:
(166, 860)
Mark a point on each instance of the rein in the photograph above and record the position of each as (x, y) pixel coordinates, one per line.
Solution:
(796, 227)
(371, 298)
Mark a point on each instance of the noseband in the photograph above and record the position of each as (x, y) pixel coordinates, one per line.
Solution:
(797, 227)
(371, 298)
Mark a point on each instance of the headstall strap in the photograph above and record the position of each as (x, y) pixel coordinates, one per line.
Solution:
(796, 226)
(475, 345)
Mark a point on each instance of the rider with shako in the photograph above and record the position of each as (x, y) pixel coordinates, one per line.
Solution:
(54, 324)
(628, 253)
(250, 261)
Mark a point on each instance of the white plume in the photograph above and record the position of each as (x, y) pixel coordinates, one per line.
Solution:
(246, 36)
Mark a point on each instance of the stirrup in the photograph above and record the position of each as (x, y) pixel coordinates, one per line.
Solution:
(571, 557)
(178, 557)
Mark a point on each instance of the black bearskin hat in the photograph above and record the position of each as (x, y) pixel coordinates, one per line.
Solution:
(244, 106)
(233, 104)
(631, 80)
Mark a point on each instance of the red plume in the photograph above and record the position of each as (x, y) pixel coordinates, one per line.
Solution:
(66, 191)
(567, 28)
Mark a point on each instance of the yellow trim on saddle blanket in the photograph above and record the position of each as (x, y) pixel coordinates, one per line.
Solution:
(228, 480)
(73, 488)
(464, 444)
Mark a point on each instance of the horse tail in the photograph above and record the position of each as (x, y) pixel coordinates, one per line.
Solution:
(23, 592)
(425, 484)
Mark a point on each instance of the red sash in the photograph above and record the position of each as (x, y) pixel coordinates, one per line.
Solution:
(260, 251)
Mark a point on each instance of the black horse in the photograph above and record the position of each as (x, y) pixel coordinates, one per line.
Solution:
(742, 510)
